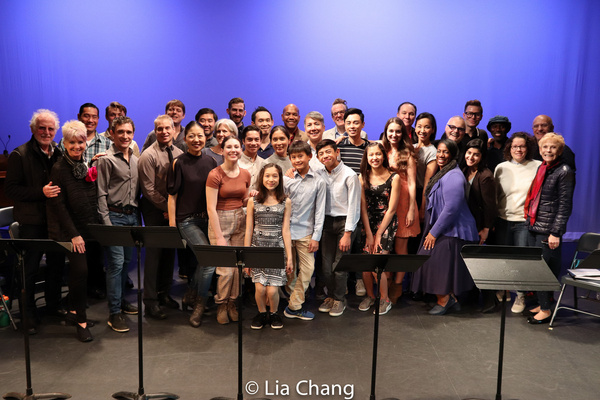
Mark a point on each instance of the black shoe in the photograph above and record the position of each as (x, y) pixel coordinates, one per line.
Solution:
(165, 300)
(118, 323)
(276, 322)
(534, 321)
(154, 311)
(84, 334)
(260, 320)
(71, 319)
(128, 308)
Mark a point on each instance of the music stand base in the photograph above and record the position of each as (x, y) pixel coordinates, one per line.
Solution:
(33, 396)
(137, 396)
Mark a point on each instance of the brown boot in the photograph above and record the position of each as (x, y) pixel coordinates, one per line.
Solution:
(189, 299)
(222, 317)
(232, 310)
(196, 318)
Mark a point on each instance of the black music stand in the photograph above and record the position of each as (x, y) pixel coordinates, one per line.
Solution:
(139, 236)
(508, 268)
(240, 257)
(20, 247)
(379, 263)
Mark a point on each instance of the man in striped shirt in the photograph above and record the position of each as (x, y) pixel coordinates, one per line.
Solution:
(353, 146)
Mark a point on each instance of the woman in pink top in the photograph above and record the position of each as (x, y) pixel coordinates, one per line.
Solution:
(226, 194)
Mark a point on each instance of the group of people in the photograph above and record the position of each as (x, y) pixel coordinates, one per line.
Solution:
(324, 192)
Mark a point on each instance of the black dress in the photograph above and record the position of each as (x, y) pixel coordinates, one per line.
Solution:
(378, 201)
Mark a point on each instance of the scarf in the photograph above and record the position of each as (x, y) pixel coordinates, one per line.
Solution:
(532, 201)
(439, 175)
(80, 169)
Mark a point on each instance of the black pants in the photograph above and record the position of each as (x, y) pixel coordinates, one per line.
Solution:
(53, 275)
(78, 273)
(96, 277)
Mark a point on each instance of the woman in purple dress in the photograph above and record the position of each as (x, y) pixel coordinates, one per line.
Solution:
(448, 226)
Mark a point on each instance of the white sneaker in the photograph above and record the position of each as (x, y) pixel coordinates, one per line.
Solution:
(360, 288)
(519, 305)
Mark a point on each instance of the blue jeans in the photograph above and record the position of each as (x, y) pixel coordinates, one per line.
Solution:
(119, 258)
(194, 231)
(511, 233)
(552, 258)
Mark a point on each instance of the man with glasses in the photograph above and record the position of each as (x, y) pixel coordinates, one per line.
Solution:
(499, 126)
(338, 109)
(473, 114)
(455, 130)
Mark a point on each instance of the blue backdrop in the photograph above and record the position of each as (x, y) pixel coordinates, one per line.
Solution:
(520, 58)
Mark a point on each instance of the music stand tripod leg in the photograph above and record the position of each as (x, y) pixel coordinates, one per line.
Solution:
(140, 395)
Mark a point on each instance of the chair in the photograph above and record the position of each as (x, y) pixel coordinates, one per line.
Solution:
(589, 243)
(6, 218)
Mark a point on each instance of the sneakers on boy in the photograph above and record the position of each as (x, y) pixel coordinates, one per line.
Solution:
(360, 288)
(519, 304)
(327, 304)
(276, 322)
(301, 314)
(384, 306)
(337, 309)
(260, 320)
(118, 323)
(366, 304)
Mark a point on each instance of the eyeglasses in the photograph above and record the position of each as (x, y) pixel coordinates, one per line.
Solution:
(456, 128)
(333, 114)
(518, 147)
(474, 115)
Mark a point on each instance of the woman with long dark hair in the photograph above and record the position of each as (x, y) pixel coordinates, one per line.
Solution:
(401, 156)
(481, 198)
(379, 200)
(448, 226)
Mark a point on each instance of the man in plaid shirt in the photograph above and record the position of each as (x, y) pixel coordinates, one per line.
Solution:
(97, 144)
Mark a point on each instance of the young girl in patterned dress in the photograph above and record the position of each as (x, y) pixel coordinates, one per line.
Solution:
(379, 200)
(268, 225)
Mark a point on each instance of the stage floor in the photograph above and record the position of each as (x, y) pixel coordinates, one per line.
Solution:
(420, 356)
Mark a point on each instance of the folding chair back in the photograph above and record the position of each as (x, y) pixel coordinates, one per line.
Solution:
(588, 242)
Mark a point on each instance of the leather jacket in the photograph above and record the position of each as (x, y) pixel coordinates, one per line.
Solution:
(556, 201)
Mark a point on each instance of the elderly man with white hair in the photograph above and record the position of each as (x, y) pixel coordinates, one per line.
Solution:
(28, 185)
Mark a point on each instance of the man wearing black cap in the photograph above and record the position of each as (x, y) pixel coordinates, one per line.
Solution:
(498, 126)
